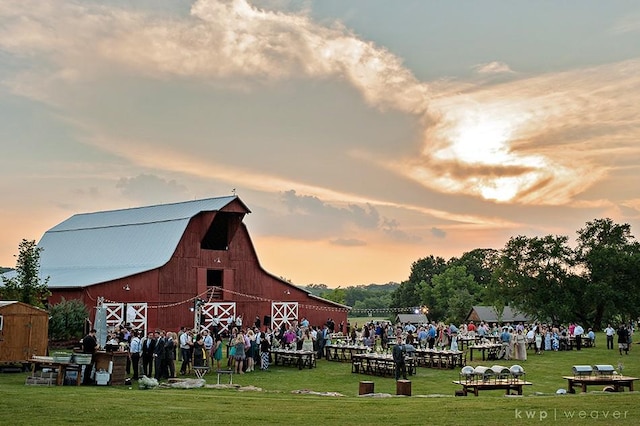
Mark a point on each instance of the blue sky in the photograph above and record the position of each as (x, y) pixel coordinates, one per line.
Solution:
(362, 134)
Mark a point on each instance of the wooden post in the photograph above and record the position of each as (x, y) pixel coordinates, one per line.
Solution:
(403, 387)
(366, 388)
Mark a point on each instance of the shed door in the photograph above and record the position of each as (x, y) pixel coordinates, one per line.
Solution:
(283, 313)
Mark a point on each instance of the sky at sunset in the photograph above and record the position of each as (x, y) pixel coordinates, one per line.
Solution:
(362, 134)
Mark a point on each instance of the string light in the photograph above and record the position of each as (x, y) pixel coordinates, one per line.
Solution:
(190, 300)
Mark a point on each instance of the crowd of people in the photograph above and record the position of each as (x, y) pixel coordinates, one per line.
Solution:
(514, 338)
(249, 347)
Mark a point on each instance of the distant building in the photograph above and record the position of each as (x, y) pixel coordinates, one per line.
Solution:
(488, 314)
(158, 266)
(415, 319)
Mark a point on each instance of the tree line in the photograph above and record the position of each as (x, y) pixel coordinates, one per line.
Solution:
(594, 283)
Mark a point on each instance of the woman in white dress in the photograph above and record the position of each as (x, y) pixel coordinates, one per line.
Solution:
(521, 346)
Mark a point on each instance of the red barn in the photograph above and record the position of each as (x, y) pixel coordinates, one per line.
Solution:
(166, 266)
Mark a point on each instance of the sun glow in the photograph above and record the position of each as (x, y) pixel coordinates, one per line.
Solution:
(477, 144)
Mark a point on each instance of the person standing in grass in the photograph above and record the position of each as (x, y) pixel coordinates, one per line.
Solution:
(199, 355)
(520, 346)
(216, 352)
(307, 341)
(186, 342)
(208, 344)
(578, 331)
(239, 355)
(135, 351)
(623, 339)
(609, 332)
(170, 355)
(89, 346)
(398, 353)
(505, 339)
(148, 345)
(159, 355)
(265, 347)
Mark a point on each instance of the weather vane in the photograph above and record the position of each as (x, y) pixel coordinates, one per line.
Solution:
(233, 191)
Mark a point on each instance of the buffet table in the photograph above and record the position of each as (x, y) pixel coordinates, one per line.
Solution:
(41, 362)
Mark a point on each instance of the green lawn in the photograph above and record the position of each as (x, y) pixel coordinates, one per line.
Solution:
(432, 401)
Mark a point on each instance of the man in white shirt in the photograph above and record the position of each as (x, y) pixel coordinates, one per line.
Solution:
(578, 332)
(208, 344)
(185, 348)
(610, 332)
(135, 350)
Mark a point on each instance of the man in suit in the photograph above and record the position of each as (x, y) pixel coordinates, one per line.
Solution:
(398, 353)
(159, 355)
(148, 346)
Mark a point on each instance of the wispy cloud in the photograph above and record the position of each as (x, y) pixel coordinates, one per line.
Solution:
(629, 24)
(219, 40)
(149, 189)
(495, 67)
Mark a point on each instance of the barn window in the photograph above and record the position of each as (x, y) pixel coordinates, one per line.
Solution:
(219, 233)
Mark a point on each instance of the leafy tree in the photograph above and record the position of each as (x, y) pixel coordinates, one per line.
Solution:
(534, 275)
(480, 263)
(315, 289)
(26, 286)
(336, 295)
(451, 295)
(610, 260)
(67, 319)
(422, 271)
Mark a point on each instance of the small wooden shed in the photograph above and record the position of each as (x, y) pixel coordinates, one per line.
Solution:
(24, 332)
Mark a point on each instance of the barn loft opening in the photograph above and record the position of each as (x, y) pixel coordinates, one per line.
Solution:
(221, 231)
(214, 283)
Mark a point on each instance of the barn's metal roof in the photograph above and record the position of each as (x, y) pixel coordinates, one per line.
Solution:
(92, 248)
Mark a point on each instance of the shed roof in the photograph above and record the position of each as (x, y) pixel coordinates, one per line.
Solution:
(412, 318)
(5, 303)
(489, 314)
(92, 248)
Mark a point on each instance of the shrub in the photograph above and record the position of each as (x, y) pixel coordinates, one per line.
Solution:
(66, 320)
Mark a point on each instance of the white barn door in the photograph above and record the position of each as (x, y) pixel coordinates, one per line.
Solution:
(122, 313)
(283, 313)
(137, 316)
(115, 314)
(220, 312)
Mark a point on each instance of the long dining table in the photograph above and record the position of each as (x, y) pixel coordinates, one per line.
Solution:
(489, 350)
(436, 358)
(379, 364)
(294, 358)
(343, 353)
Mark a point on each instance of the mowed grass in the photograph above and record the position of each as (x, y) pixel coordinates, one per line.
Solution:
(278, 403)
